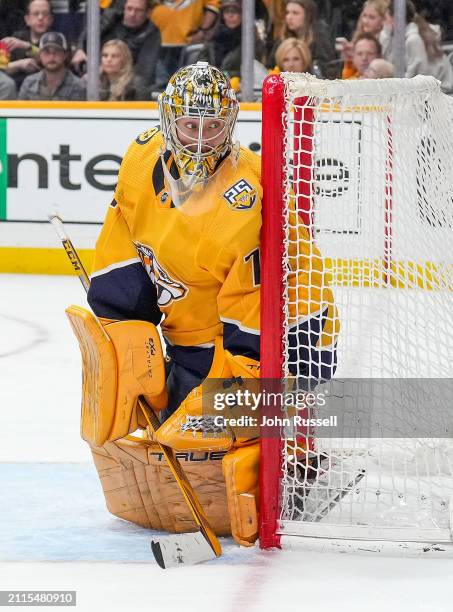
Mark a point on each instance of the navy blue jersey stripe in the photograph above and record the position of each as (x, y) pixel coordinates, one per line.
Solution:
(158, 174)
(194, 358)
(125, 293)
(239, 342)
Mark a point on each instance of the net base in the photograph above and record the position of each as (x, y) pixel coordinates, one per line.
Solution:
(387, 548)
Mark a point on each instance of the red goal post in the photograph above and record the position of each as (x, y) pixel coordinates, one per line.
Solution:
(273, 179)
(271, 295)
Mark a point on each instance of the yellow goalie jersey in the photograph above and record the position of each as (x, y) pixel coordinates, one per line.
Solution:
(197, 266)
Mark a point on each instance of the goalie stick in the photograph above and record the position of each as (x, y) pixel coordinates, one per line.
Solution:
(174, 549)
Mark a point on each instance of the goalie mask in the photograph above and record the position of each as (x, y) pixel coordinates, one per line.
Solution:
(198, 111)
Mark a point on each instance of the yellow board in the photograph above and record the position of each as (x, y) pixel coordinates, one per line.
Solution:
(343, 272)
(21, 260)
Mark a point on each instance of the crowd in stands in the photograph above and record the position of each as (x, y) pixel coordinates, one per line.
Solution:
(43, 43)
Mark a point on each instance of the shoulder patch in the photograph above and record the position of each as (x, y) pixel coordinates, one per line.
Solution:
(240, 196)
(145, 137)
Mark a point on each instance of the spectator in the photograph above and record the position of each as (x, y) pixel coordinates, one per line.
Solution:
(4, 55)
(8, 90)
(379, 69)
(372, 17)
(341, 15)
(424, 54)
(227, 36)
(69, 16)
(301, 21)
(23, 45)
(226, 40)
(55, 81)
(350, 13)
(11, 16)
(132, 26)
(118, 81)
(224, 50)
(330, 11)
(366, 48)
(181, 24)
(371, 21)
(439, 12)
(276, 23)
(293, 55)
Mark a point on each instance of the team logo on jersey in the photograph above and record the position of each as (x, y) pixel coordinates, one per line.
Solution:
(168, 289)
(145, 137)
(241, 196)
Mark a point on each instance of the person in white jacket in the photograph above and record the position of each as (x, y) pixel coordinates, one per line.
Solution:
(424, 54)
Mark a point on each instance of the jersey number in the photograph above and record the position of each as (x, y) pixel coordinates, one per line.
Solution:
(254, 256)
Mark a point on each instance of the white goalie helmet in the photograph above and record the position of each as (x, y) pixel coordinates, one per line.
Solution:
(201, 93)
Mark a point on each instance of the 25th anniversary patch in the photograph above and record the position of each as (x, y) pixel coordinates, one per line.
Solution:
(241, 196)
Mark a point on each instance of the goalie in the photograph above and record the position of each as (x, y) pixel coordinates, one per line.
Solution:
(180, 248)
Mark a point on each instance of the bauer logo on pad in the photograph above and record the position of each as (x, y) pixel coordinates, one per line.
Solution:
(241, 196)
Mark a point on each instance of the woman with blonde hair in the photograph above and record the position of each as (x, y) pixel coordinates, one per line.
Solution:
(372, 18)
(118, 81)
(301, 22)
(293, 55)
(371, 21)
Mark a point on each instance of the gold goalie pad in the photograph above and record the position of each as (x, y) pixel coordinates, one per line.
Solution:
(139, 487)
(120, 361)
(241, 472)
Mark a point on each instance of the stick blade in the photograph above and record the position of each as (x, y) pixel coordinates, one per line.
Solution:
(182, 549)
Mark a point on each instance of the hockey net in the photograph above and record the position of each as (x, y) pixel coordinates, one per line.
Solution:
(369, 167)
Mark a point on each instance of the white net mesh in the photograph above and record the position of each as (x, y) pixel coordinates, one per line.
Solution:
(370, 166)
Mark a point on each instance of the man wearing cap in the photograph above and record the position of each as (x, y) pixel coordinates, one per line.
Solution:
(54, 81)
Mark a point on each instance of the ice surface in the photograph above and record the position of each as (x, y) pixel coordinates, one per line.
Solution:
(40, 369)
(55, 532)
